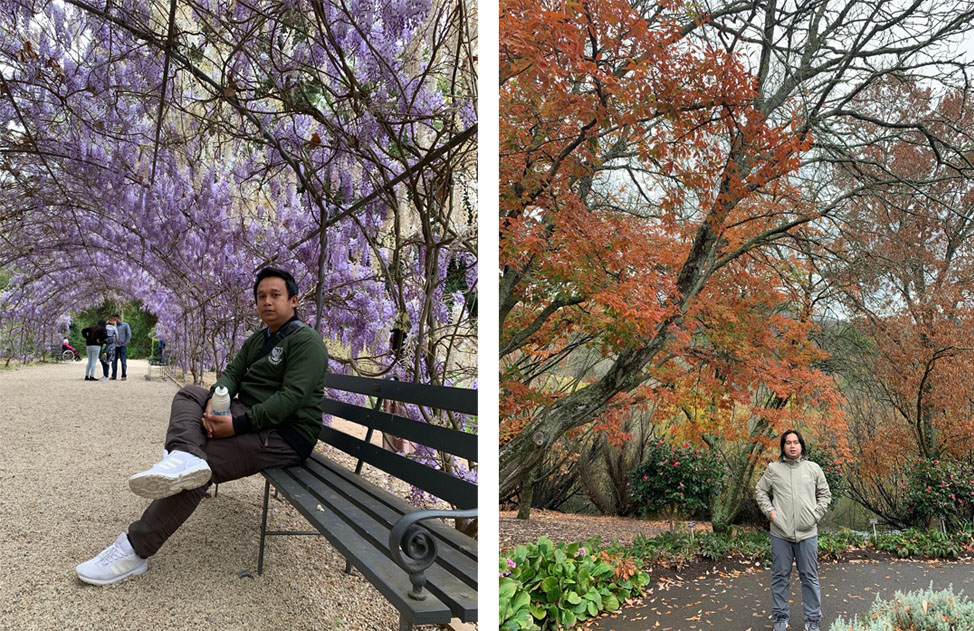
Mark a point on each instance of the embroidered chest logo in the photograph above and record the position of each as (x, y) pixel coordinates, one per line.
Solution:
(277, 353)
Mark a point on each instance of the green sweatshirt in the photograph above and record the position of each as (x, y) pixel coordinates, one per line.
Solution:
(283, 389)
(800, 499)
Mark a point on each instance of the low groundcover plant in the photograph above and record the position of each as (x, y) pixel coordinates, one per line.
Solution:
(546, 586)
(923, 610)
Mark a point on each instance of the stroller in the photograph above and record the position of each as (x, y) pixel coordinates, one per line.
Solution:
(68, 352)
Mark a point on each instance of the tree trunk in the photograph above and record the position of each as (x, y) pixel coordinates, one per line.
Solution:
(526, 496)
(524, 451)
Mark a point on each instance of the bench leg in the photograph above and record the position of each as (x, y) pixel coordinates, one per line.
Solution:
(348, 567)
(263, 529)
(404, 625)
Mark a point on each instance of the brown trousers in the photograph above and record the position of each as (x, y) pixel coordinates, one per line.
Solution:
(229, 458)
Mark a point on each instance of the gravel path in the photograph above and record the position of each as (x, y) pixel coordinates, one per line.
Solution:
(67, 447)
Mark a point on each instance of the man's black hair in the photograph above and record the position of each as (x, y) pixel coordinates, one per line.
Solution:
(268, 272)
(801, 441)
(117, 316)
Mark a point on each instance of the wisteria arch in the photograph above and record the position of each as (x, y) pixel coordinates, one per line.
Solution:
(164, 151)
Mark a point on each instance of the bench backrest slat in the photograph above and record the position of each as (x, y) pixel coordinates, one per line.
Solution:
(443, 439)
(456, 491)
(440, 397)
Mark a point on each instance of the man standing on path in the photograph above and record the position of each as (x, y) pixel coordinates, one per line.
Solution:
(794, 495)
(278, 379)
(122, 339)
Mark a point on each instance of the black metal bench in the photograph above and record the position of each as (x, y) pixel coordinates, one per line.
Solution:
(428, 570)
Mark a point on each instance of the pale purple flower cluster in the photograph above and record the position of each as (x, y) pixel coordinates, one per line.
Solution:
(273, 126)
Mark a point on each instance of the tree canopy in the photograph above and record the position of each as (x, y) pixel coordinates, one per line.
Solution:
(165, 151)
(704, 210)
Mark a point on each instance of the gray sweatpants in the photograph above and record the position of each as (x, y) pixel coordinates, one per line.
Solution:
(229, 459)
(804, 554)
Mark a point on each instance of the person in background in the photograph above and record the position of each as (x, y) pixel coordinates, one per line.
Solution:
(94, 337)
(122, 339)
(795, 496)
(108, 346)
(65, 346)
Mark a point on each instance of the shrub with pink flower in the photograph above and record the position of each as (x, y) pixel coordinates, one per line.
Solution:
(937, 488)
(832, 468)
(675, 477)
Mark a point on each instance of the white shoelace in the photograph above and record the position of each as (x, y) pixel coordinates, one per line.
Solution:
(113, 553)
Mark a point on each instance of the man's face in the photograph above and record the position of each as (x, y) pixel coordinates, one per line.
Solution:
(793, 448)
(273, 305)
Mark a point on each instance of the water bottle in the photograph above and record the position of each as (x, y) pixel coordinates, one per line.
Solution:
(220, 401)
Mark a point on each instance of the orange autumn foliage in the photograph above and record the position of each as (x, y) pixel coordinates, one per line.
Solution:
(910, 280)
(619, 136)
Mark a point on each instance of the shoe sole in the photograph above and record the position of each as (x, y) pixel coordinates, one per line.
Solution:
(156, 486)
(121, 577)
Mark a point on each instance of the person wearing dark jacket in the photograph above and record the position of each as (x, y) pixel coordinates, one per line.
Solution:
(277, 382)
(94, 337)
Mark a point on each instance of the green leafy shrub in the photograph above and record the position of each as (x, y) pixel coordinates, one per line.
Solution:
(832, 544)
(753, 546)
(964, 537)
(547, 586)
(832, 470)
(940, 488)
(677, 548)
(923, 610)
(675, 478)
(714, 546)
(515, 611)
(914, 542)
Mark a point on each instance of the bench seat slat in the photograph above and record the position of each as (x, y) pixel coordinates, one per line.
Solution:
(441, 581)
(444, 439)
(460, 493)
(356, 516)
(355, 550)
(354, 531)
(456, 551)
(371, 510)
(446, 397)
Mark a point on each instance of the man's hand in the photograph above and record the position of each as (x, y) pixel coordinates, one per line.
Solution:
(771, 515)
(217, 425)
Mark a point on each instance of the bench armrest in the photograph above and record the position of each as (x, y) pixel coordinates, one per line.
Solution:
(414, 548)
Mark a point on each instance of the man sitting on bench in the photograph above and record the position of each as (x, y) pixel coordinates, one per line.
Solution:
(277, 381)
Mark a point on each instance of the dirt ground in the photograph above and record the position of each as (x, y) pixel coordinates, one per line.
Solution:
(571, 528)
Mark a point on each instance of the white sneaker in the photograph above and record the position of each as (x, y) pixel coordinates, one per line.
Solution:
(116, 562)
(175, 472)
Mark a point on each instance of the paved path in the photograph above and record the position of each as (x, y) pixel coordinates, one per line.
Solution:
(742, 602)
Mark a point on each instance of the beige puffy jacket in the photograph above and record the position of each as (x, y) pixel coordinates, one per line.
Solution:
(798, 493)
